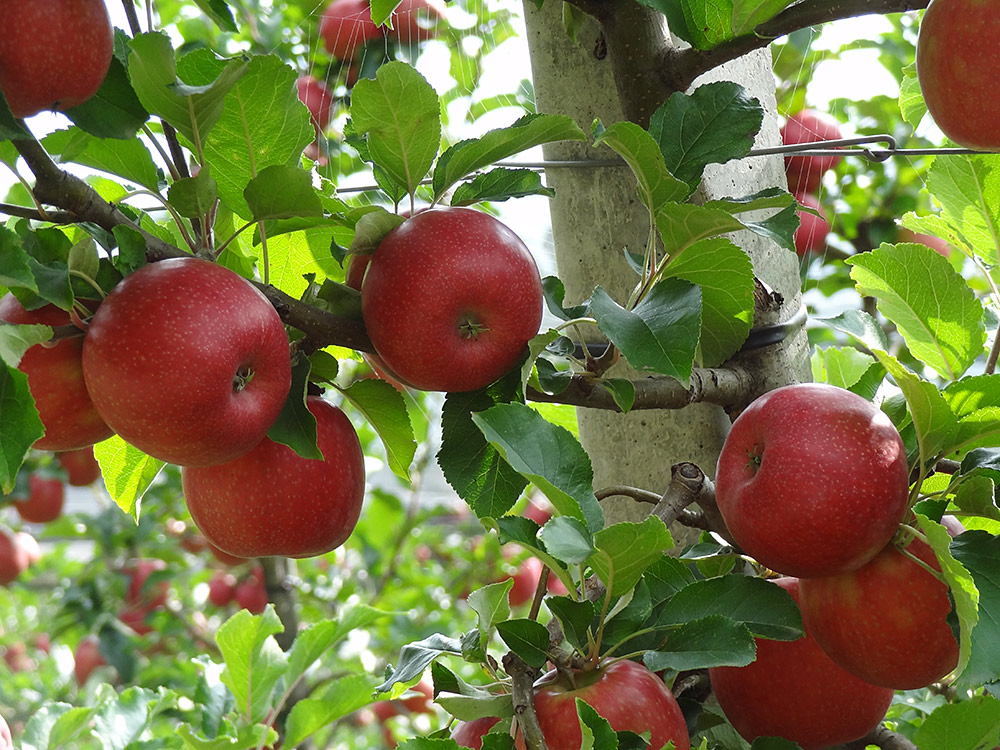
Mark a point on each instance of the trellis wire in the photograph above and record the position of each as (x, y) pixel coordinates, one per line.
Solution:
(813, 148)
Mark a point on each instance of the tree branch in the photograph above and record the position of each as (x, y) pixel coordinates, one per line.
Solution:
(523, 677)
(681, 67)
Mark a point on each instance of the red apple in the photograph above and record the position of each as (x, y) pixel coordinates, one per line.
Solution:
(87, 658)
(625, 693)
(139, 594)
(43, 643)
(812, 480)
(14, 558)
(940, 246)
(54, 54)
(526, 581)
(55, 379)
(793, 690)
(450, 299)
(17, 659)
(887, 621)
(251, 592)
(6, 743)
(413, 21)
(346, 26)
(135, 618)
(29, 545)
(44, 502)
(274, 502)
(188, 362)
(355, 274)
(224, 557)
(221, 588)
(537, 512)
(318, 100)
(470, 733)
(805, 173)
(810, 237)
(81, 467)
(956, 59)
(420, 702)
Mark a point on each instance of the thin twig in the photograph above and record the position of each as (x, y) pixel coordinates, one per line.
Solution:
(523, 677)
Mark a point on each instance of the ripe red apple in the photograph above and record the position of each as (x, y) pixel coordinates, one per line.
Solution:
(413, 21)
(537, 512)
(794, 690)
(526, 581)
(139, 594)
(812, 231)
(355, 274)
(251, 592)
(6, 743)
(625, 693)
(14, 557)
(135, 618)
(885, 622)
(956, 58)
(55, 379)
(450, 299)
(44, 502)
(420, 702)
(274, 502)
(224, 557)
(54, 54)
(937, 244)
(346, 26)
(812, 480)
(318, 100)
(81, 467)
(221, 588)
(87, 658)
(187, 361)
(805, 173)
(470, 733)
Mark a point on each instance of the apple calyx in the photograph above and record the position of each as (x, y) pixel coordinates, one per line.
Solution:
(242, 378)
(469, 326)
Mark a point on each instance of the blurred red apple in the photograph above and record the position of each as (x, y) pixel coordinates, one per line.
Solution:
(810, 237)
(87, 658)
(318, 100)
(44, 502)
(81, 467)
(346, 26)
(805, 173)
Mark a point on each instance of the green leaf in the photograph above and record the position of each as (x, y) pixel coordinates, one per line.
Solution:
(861, 326)
(526, 638)
(596, 731)
(547, 455)
(555, 295)
(711, 641)
(335, 700)
(296, 425)
(934, 309)
(127, 472)
(766, 609)
(656, 185)
(748, 14)
(621, 390)
(11, 128)
(20, 426)
(724, 273)
(968, 191)
(385, 410)
(970, 724)
(975, 401)
(666, 577)
(961, 584)
(911, 98)
(56, 725)
(129, 159)
(218, 11)
(567, 540)
(246, 738)
(840, 366)
(682, 224)
(575, 618)
(194, 197)
(403, 146)
(979, 553)
(625, 550)
(192, 110)
(500, 185)
(936, 425)
(121, 721)
(473, 467)
(114, 111)
(717, 122)
(468, 156)
(660, 333)
(262, 124)
(15, 268)
(254, 661)
(415, 657)
(492, 605)
(131, 249)
(282, 192)
(16, 339)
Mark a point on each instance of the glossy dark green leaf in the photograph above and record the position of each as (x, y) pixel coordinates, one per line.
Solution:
(528, 639)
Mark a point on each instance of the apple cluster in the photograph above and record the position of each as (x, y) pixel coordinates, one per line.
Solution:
(812, 482)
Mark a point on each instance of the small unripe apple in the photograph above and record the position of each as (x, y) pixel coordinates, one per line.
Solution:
(805, 173)
(274, 502)
(812, 231)
(54, 54)
(44, 502)
(188, 362)
(346, 26)
(812, 480)
(451, 298)
(957, 59)
(55, 379)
